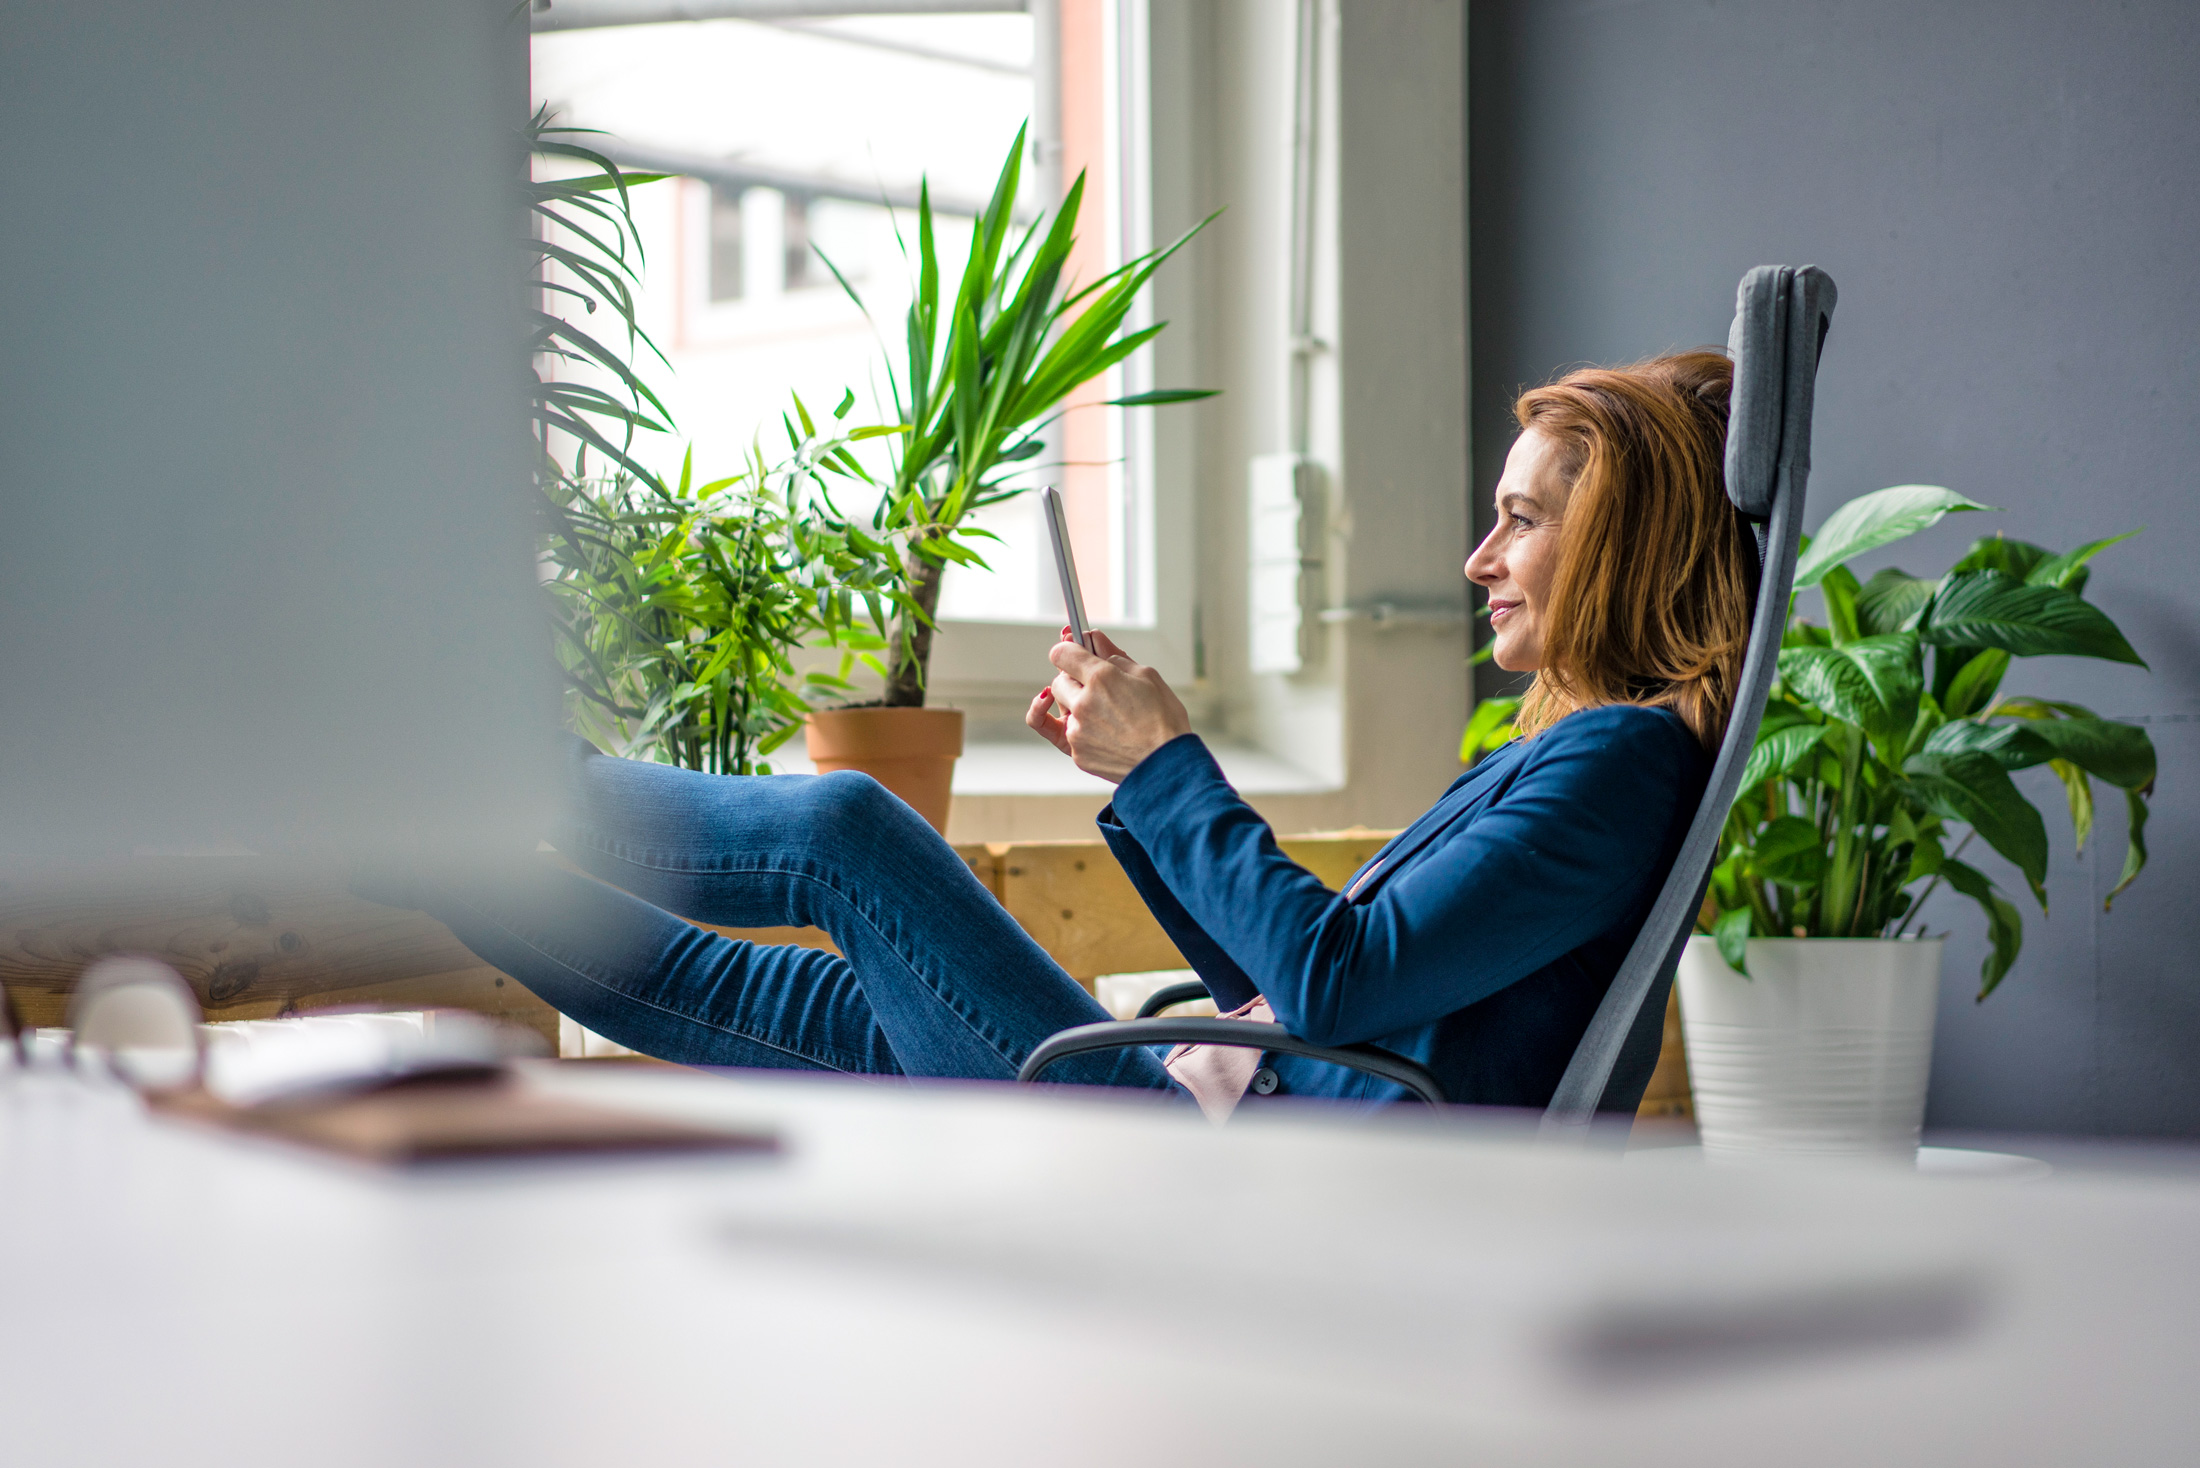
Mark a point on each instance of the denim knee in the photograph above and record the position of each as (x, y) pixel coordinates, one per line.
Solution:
(853, 802)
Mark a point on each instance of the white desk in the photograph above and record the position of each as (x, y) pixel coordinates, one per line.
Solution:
(984, 1277)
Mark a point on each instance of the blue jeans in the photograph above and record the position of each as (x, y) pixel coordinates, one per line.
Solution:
(933, 978)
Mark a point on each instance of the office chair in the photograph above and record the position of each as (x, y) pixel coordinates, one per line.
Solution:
(1780, 320)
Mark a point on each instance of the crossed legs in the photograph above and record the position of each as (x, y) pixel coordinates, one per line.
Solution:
(933, 977)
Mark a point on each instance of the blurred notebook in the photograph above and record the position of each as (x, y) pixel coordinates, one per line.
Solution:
(442, 1119)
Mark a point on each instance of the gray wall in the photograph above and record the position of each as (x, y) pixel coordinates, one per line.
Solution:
(2008, 195)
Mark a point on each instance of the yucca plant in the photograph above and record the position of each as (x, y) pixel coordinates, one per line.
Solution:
(1887, 734)
(982, 377)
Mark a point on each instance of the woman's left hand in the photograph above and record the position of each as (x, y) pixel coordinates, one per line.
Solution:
(1104, 711)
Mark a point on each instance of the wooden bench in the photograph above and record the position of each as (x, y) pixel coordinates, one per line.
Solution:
(257, 937)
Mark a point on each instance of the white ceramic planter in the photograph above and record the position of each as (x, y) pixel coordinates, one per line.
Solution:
(1822, 1051)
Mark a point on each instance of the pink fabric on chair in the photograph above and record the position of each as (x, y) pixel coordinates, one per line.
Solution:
(1218, 1075)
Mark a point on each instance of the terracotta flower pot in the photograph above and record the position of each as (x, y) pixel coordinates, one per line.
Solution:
(912, 752)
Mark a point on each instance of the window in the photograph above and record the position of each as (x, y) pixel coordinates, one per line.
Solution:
(803, 140)
(725, 245)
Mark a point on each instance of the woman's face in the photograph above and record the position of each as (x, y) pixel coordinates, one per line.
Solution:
(1518, 562)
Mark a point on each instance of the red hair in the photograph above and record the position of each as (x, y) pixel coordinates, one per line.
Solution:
(1650, 604)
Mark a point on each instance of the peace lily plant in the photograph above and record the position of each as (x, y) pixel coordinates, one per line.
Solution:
(1887, 744)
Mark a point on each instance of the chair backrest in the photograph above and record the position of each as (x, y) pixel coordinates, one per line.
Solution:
(1780, 318)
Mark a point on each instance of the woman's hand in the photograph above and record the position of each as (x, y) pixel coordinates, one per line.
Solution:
(1104, 711)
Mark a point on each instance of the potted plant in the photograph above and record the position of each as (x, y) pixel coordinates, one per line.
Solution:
(681, 608)
(983, 376)
(1886, 751)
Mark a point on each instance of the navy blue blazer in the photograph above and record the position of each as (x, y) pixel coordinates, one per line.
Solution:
(1479, 941)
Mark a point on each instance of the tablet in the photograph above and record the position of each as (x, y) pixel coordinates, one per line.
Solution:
(1065, 565)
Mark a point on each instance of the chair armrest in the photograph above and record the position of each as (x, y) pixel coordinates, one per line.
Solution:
(1117, 1034)
(1171, 994)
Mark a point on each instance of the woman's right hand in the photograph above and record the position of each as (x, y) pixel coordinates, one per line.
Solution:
(1103, 710)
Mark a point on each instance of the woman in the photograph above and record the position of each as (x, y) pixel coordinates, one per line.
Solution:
(1479, 942)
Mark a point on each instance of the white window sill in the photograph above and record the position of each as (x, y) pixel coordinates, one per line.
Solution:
(1030, 767)
(1034, 768)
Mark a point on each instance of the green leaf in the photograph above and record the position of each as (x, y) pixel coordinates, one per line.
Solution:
(1876, 519)
(2135, 854)
(1992, 609)
(1838, 589)
(598, 182)
(586, 432)
(1160, 396)
(2012, 746)
(1777, 753)
(1975, 683)
(1790, 851)
(1489, 728)
(2004, 924)
(1972, 787)
(1929, 718)
(1780, 714)
(1997, 553)
(603, 356)
(2122, 754)
(1891, 601)
(1874, 683)
(1926, 858)
(2078, 787)
(2068, 570)
(1731, 933)
(1724, 889)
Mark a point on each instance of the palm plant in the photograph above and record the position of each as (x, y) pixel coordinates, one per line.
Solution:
(584, 225)
(680, 607)
(976, 389)
(1887, 731)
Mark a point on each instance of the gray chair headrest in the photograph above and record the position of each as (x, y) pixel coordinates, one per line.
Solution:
(1781, 313)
